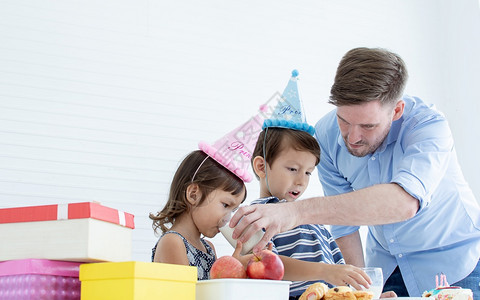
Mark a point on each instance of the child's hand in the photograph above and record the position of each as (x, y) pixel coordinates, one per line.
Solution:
(347, 275)
(238, 249)
(389, 294)
(242, 258)
(269, 246)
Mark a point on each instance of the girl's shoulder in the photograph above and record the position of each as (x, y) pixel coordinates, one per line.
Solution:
(172, 233)
(171, 238)
(170, 248)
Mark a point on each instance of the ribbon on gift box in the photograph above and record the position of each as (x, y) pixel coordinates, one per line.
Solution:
(66, 212)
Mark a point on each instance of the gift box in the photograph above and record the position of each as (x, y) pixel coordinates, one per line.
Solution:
(83, 232)
(240, 289)
(137, 280)
(39, 279)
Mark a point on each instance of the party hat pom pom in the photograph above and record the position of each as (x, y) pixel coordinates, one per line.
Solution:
(295, 73)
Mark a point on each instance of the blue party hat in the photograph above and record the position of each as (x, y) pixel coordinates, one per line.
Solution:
(289, 112)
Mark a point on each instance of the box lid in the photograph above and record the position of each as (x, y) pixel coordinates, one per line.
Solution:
(66, 211)
(136, 269)
(39, 266)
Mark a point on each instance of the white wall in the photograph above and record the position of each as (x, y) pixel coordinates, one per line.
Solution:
(100, 100)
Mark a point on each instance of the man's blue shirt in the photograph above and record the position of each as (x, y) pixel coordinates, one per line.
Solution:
(418, 154)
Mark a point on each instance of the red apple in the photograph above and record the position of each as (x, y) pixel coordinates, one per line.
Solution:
(265, 265)
(227, 267)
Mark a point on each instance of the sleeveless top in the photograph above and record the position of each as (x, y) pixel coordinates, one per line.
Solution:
(196, 257)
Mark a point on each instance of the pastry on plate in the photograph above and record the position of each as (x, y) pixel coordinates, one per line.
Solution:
(363, 295)
(340, 293)
(315, 291)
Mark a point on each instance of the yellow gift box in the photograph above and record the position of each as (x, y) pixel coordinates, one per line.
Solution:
(137, 280)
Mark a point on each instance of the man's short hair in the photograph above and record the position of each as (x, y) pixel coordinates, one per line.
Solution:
(369, 74)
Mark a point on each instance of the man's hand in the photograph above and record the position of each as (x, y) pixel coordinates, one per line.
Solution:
(274, 218)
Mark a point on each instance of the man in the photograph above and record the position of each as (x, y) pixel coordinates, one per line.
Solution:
(387, 162)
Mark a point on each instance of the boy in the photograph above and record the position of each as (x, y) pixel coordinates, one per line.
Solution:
(283, 161)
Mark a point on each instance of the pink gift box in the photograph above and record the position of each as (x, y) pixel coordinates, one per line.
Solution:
(39, 279)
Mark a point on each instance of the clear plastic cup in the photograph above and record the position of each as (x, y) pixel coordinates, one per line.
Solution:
(376, 276)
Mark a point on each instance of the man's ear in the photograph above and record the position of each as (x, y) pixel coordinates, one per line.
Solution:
(259, 166)
(193, 193)
(398, 110)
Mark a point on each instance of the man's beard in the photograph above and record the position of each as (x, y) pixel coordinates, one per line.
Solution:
(370, 147)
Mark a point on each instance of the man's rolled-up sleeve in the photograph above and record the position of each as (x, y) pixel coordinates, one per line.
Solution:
(427, 150)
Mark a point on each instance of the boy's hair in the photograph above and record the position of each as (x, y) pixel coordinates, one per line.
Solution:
(209, 177)
(278, 139)
(368, 74)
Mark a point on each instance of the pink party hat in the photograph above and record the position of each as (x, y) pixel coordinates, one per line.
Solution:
(289, 112)
(234, 150)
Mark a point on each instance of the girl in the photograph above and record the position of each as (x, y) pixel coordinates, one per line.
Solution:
(201, 193)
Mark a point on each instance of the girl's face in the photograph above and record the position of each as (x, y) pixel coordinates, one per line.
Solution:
(218, 203)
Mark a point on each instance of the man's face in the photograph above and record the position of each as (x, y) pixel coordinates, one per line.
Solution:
(364, 127)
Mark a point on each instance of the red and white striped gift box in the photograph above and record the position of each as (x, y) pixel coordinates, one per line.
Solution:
(84, 232)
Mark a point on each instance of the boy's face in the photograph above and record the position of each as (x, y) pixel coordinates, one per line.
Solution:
(289, 174)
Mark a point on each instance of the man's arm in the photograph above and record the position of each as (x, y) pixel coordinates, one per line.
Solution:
(378, 204)
(351, 248)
